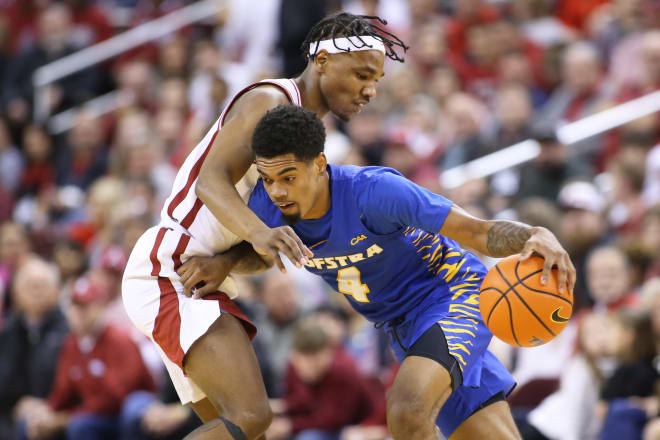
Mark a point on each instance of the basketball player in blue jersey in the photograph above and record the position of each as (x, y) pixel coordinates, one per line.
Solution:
(204, 343)
(394, 250)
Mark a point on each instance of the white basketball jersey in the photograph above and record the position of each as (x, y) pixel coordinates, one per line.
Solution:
(184, 209)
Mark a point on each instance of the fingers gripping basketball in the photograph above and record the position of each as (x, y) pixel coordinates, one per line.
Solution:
(517, 308)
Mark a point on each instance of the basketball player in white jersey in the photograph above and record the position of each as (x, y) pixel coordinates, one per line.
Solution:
(205, 343)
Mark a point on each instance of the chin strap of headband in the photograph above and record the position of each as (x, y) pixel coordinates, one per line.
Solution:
(347, 44)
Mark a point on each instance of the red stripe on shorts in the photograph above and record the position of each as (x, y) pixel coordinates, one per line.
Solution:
(190, 217)
(180, 249)
(167, 326)
(155, 264)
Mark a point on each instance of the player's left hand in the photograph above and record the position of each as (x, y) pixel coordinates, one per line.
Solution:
(203, 275)
(544, 243)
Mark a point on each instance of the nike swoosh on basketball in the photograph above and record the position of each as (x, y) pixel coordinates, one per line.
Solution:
(556, 318)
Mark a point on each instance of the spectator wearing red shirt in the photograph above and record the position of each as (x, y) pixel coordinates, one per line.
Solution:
(324, 390)
(97, 368)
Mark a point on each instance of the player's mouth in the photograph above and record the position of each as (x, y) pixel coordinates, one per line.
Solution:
(285, 205)
(358, 106)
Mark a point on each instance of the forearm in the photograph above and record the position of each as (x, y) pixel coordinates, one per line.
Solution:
(246, 261)
(503, 237)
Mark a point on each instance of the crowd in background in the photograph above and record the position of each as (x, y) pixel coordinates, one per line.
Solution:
(480, 75)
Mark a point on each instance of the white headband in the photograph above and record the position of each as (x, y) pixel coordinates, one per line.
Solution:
(347, 44)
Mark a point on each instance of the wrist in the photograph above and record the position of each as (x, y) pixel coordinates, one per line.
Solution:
(231, 258)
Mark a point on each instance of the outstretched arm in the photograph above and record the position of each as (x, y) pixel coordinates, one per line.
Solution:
(226, 163)
(501, 238)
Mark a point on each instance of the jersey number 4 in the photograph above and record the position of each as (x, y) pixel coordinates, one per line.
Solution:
(349, 283)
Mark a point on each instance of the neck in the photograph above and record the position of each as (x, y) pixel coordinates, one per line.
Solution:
(310, 89)
(322, 203)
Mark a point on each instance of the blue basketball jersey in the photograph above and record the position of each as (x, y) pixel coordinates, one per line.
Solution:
(379, 245)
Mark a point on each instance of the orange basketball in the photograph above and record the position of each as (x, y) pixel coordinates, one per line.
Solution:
(520, 310)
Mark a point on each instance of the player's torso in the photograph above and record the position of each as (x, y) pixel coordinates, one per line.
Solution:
(184, 210)
(384, 276)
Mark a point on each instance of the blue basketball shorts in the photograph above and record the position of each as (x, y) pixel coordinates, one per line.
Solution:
(452, 332)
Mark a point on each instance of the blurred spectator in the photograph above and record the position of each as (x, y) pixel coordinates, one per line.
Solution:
(97, 368)
(628, 207)
(104, 210)
(366, 132)
(608, 279)
(464, 116)
(630, 394)
(578, 95)
(414, 143)
(15, 248)
(650, 236)
(540, 212)
(552, 168)
(651, 303)
(21, 18)
(150, 416)
(513, 112)
(54, 41)
(582, 227)
(83, 158)
(429, 47)
(250, 38)
(90, 23)
(574, 403)
(296, 18)
(173, 57)
(11, 161)
(71, 260)
(443, 82)
(275, 323)
(515, 69)
(39, 172)
(324, 389)
(538, 24)
(30, 342)
(467, 15)
(337, 144)
(134, 84)
(613, 21)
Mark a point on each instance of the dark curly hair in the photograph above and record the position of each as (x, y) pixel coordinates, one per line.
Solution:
(344, 24)
(289, 129)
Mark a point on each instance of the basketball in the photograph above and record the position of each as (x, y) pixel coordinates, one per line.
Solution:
(517, 308)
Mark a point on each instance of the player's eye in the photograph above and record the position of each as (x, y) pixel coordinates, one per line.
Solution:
(290, 178)
(361, 76)
(267, 181)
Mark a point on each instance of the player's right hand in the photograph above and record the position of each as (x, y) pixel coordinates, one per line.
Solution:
(270, 242)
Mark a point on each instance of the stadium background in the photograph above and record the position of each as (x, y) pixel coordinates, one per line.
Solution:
(77, 189)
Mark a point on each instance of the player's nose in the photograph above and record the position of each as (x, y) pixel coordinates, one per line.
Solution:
(369, 91)
(278, 193)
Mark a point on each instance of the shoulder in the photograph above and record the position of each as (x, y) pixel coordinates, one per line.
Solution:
(363, 176)
(257, 99)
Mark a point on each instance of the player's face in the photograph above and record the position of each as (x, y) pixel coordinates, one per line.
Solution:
(348, 80)
(294, 186)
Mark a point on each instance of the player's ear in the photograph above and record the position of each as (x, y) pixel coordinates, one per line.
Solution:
(321, 163)
(321, 61)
